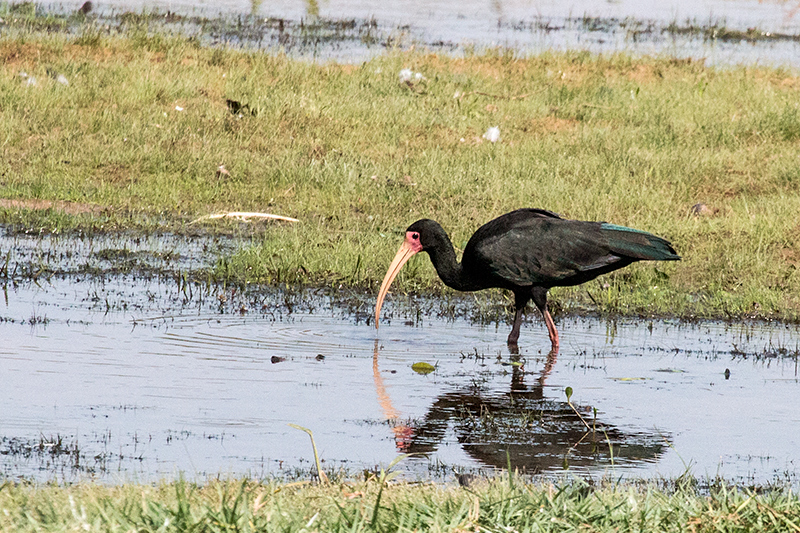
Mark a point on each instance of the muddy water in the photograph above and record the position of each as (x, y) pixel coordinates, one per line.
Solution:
(137, 377)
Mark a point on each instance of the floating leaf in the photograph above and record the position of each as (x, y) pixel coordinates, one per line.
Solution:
(423, 368)
(568, 392)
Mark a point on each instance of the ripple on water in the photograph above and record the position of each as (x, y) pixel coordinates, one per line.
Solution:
(163, 385)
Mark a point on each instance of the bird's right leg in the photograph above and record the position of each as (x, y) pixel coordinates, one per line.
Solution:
(520, 301)
(539, 295)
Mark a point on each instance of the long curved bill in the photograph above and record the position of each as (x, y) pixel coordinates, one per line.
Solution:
(407, 249)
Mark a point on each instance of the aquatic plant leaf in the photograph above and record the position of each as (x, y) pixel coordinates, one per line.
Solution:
(322, 476)
(423, 368)
(396, 460)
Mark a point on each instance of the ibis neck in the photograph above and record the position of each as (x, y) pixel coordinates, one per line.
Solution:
(443, 257)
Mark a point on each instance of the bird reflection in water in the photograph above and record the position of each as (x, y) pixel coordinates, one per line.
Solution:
(403, 435)
(521, 427)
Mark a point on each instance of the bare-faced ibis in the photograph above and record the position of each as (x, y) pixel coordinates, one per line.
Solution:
(528, 251)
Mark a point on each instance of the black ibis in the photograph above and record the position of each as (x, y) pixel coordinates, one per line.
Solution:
(528, 251)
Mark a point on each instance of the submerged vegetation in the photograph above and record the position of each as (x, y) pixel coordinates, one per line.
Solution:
(499, 505)
(141, 130)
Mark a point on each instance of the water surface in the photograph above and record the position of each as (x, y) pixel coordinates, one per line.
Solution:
(714, 31)
(137, 377)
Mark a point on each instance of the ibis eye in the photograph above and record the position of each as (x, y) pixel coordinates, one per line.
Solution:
(415, 236)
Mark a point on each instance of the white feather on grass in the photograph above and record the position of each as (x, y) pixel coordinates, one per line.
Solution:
(492, 134)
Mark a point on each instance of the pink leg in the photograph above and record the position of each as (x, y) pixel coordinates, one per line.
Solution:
(551, 329)
(513, 337)
(539, 295)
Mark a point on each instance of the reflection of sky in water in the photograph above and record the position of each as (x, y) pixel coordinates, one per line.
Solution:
(163, 388)
(768, 15)
(488, 23)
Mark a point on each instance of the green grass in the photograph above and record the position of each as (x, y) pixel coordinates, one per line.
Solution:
(498, 505)
(358, 156)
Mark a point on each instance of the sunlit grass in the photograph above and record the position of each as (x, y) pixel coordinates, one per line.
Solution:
(357, 155)
(498, 505)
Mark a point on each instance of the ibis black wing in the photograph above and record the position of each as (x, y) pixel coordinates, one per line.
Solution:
(533, 247)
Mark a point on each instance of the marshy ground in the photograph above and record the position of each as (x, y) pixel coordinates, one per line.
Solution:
(142, 342)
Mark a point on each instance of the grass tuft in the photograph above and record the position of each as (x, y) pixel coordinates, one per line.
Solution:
(487, 505)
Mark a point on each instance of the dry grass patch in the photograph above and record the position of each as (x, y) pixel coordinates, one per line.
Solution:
(70, 208)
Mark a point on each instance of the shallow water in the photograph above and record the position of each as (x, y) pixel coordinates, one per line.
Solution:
(131, 377)
(528, 26)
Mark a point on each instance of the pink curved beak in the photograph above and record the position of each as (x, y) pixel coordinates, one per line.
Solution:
(407, 249)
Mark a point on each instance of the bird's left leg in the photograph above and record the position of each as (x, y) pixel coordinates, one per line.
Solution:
(539, 295)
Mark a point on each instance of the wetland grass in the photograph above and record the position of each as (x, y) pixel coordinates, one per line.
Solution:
(136, 139)
(486, 505)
